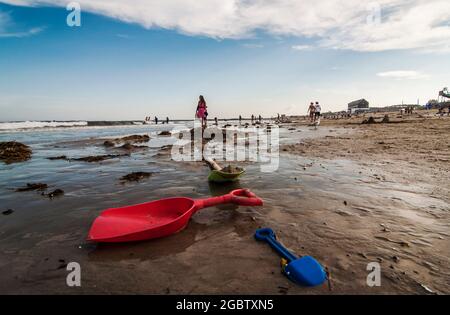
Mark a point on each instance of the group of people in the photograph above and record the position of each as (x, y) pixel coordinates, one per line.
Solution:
(259, 118)
(202, 113)
(148, 119)
(314, 111)
(409, 110)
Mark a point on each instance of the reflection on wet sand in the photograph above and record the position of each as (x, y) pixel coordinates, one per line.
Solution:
(147, 250)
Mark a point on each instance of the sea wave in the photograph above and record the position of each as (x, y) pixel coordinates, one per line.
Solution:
(113, 123)
(21, 125)
(27, 125)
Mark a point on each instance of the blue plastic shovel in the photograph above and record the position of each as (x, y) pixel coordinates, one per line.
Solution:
(305, 271)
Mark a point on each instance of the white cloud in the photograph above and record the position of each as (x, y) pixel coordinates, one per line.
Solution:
(6, 24)
(403, 74)
(302, 47)
(30, 32)
(338, 24)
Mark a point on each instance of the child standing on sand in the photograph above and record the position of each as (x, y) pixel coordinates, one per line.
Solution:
(201, 111)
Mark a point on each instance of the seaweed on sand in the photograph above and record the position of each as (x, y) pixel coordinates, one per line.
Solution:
(55, 193)
(130, 147)
(98, 158)
(33, 186)
(13, 152)
(53, 158)
(108, 143)
(90, 158)
(134, 138)
(136, 176)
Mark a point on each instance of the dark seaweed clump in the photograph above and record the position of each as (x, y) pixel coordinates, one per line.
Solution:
(33, 186)
(13, 152)
(136, 176)
(134, 139)
(90, 158)
(61, 157)
(98, 158)
(8, 212)
(55, 193)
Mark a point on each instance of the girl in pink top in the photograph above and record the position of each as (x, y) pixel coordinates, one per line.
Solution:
(201, 110)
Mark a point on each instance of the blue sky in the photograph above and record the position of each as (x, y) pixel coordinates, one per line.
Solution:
(126, 67)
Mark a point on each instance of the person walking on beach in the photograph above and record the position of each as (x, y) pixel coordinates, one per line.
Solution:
(167, 120)
(311, 111)
(201, 111)
(156, 120)
(317, 110)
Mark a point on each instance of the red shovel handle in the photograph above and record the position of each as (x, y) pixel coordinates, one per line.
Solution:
(242, 197)
(213, 201)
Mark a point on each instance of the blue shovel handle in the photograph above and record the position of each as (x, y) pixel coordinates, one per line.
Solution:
(304, 271)
(267, 235)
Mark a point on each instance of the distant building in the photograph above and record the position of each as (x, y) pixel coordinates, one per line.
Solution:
(358, 106)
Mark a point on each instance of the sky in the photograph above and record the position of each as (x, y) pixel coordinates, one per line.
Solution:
(135, 58)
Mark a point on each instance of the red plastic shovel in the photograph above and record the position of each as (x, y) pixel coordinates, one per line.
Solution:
(158, 218)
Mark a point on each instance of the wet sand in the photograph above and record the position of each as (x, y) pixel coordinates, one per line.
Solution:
(339, 195)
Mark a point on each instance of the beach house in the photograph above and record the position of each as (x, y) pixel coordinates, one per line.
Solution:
(358, 106)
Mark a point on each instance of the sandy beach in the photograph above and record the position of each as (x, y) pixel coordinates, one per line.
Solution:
(249, 152)
(347, 194)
